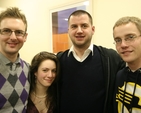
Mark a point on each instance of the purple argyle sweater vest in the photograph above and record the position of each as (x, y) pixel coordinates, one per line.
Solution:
(14, 89)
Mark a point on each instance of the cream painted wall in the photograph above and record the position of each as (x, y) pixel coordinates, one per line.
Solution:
(105, 14)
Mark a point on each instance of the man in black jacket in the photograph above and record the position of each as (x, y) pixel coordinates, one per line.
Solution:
(87, 72)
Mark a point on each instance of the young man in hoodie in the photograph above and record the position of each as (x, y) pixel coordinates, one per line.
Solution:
(127, 37)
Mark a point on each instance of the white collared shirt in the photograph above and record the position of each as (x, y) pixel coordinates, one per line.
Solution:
(85, 55)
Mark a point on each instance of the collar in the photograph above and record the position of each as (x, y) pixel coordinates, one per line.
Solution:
(90, 49)
(5, 61)
(129, 69)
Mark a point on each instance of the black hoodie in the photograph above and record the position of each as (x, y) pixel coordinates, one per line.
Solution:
(128, 91)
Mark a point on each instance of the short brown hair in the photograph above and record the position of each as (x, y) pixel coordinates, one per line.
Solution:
(128, 19)
(80, 12)
(13, 12)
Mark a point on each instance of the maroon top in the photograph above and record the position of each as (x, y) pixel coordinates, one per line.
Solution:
(31, 108)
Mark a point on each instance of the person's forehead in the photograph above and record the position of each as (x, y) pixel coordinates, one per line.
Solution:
(125, 29)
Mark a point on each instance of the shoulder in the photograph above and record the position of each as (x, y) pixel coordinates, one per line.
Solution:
(122, 71)
(121, 74)
(61, 53)
(24, 63)
(107, 51)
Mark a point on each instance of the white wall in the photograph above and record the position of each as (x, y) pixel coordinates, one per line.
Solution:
(105, 14)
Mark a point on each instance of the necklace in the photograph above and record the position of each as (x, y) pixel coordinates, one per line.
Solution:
(39, 102)
(39, 97)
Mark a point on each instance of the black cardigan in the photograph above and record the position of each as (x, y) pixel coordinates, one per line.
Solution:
(111, 63)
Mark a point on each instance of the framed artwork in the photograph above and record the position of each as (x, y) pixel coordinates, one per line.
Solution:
(59, 23)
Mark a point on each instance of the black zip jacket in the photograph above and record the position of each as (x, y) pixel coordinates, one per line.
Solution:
(111, 63)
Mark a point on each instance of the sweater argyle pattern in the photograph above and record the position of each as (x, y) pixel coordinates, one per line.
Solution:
(14, 89)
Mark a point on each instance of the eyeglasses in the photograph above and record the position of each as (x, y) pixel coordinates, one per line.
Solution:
(128, 39)
(8, 32)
